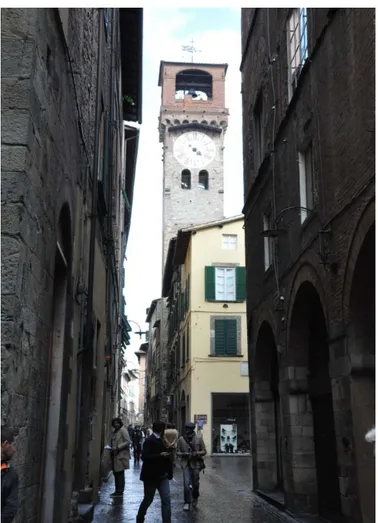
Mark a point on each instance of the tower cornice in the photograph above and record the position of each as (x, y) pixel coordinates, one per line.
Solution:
(192, 65)
(195, 125)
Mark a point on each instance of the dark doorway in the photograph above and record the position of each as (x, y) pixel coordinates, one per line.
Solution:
(361, 347)
(309, 348)
(52, 508)
(268, 424)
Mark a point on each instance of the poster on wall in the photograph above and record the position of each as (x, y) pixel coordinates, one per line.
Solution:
(229, 438)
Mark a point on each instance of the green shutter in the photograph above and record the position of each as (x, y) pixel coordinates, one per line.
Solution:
(220, 341)
(226, 337)
(240, 284)
(231, 337)
(210, 283)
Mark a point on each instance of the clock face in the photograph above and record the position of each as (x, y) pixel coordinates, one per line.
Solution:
(194, 149)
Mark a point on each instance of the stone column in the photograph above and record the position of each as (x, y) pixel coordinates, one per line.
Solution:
(266, 453)
(300, 481)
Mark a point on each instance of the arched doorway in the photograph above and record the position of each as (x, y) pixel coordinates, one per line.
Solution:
(361, 348)
(312, 448)
(268, 423)
(58, 367)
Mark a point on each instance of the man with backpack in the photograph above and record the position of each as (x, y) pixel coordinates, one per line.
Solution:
(191, 449)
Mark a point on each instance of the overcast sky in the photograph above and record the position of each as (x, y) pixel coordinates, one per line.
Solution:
(216, 33)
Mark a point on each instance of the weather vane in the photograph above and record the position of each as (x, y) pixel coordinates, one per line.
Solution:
(191, 49)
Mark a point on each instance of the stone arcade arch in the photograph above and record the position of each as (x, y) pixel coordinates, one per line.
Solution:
(268, 424)
(311, 452)
(59, 361)
(361, 349)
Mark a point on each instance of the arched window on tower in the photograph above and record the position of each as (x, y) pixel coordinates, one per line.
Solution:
(203, 180)
(185, 179)
(194, 82)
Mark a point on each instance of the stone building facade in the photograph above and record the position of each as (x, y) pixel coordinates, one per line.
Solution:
(156, 364)
(194, 115)
(207, 368)
(65, 73)
(308, 130)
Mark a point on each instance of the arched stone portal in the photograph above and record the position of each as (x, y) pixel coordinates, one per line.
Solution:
(267, 412)
(311, 452)
(58, 365)
(361, 348)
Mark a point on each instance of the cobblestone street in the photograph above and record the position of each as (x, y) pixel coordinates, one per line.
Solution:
(225, 498)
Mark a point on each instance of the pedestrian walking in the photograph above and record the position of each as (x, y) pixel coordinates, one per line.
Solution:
(137, 443)
(120, 455)
(130, 430)
(171, 437)
(9, 477)
(156, 473)
(191, 449)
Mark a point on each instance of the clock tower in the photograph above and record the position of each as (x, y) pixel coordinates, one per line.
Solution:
(192, 125)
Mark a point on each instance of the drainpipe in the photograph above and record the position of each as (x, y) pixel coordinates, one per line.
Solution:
(109, 345)
(87, 352)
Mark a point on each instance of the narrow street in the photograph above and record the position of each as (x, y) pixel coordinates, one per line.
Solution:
(225, 498)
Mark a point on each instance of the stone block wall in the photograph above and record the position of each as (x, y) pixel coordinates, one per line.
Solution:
(320, 112)
(48, 120)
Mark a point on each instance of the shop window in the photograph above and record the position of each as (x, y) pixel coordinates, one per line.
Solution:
(230, 422)
(225, 283)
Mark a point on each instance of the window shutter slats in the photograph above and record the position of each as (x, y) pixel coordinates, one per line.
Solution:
(231, 337)
(226, 337)
(210, 283)
(240, 283)
(220, 340)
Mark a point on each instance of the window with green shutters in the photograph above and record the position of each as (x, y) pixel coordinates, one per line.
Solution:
(225, 283)
(226, 337)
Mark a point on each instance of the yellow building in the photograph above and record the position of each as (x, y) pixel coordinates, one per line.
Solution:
(207, 379)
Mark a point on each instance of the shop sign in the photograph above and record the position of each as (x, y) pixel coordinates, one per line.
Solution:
(200, 418)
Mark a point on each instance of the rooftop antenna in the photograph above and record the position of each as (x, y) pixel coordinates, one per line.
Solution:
(191, 49)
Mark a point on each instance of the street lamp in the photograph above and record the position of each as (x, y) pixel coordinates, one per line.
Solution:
(140, 332)
(325, 256)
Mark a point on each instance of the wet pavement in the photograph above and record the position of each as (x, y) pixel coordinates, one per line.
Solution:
(225, 497)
